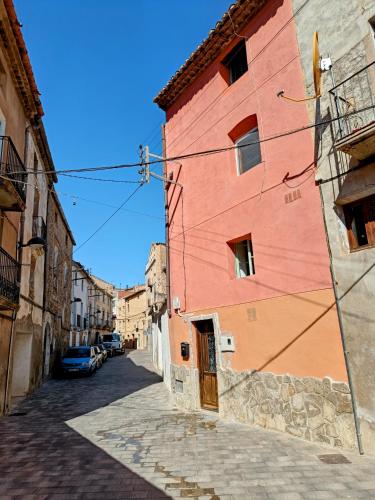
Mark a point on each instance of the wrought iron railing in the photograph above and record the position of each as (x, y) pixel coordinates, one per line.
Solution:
(352, 102)
(12, 167)
(39, 227)
(9, 277)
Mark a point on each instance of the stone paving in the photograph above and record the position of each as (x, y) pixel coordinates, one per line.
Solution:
(117, 435)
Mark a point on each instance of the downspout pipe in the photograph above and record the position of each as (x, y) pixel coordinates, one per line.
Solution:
(166, 215)
(343, 340)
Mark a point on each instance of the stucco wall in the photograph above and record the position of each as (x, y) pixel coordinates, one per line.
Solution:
(348, 39)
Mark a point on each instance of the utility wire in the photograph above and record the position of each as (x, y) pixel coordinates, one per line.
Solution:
(108, 219)
(101, 180)
(206, 152)
(95, 202)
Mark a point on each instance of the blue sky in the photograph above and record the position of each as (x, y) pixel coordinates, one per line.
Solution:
(98, 66)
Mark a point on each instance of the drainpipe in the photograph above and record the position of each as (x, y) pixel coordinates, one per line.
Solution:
(166, 207)
(343, 340)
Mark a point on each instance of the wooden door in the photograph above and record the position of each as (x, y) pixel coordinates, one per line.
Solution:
(207, 365)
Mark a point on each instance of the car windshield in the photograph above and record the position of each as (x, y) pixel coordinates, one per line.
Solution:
(108, 338)
(83, 352)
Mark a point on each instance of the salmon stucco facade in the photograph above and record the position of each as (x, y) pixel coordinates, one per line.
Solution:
(253, 330)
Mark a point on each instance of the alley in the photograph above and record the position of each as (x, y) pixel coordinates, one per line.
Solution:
(116, 435)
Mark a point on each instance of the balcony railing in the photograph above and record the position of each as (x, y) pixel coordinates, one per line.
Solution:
(39, 227)
(352, 102)
(13, 169)
(9, 278)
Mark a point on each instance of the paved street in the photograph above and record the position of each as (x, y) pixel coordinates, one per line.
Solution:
(116, 435)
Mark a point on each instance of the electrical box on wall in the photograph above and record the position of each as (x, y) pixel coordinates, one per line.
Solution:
(227, 343)
(185, 350)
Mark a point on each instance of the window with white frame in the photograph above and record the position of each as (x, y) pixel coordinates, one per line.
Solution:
(248, 151)
(244, 258)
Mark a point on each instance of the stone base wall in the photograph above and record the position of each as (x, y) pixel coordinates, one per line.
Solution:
(308, 408)
(185, 387)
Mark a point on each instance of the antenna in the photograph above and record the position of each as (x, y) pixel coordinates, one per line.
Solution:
(319, 66)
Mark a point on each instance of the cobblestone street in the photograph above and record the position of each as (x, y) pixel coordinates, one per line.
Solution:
(116, 435)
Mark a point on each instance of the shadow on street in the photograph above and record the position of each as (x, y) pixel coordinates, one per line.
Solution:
(40, 455)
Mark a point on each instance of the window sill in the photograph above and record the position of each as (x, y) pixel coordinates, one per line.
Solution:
(363, 247)
(239, 174)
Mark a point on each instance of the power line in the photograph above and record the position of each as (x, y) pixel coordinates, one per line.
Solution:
(108, 219)
(101, 180)
(208, 151)
(95, 202)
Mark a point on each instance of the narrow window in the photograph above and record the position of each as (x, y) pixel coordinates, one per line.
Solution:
(360, 222)
(244, 259)
(372, 27)
(248, 151)
(236, 62)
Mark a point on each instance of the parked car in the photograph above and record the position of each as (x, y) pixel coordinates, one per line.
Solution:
(115, 340)
(104, 352)
(99, 355)
(78, 360)
(110, 350)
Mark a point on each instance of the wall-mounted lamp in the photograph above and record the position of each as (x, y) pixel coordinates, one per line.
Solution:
(35, 243)
(76, 299)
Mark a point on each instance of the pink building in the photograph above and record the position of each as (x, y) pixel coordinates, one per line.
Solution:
(253, 328)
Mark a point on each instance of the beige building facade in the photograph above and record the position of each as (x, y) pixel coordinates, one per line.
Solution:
(131, 316)
(100, 308)
(157, 315)
(58, 283)
(23, 212)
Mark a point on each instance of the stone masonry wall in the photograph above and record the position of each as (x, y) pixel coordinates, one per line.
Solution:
(185, 387)
(309, 408)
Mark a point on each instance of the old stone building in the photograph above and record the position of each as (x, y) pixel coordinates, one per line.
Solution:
(27, 352)
(58, 283)
(22, 145)
(100, 308)
(157, 314)
(344, 157)
(131, 316)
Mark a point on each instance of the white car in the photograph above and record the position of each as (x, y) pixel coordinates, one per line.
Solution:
(115, 341)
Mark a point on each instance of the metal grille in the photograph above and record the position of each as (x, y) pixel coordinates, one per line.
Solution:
(9, 277)
(353, 94)
(12, 166)
(211, 354)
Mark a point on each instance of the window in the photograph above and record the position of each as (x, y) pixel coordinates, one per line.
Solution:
(236, 62)
(248, 151)
(244, 258)
(372, 27)
(360, 222)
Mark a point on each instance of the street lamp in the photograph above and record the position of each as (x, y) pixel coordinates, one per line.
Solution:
(35, 243)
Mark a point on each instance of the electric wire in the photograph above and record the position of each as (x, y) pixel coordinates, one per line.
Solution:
(108, 219)
(207, 152)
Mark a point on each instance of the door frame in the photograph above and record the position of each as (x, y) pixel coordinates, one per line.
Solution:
(193, 332)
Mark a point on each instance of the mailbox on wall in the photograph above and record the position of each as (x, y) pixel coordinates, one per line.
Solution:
(185, 350)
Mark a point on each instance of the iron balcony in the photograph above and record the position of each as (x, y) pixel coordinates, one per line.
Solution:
(9, 281)
(352, 102)
(13, 177)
